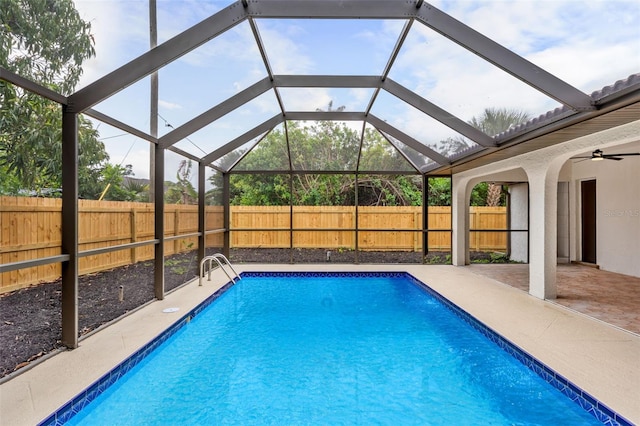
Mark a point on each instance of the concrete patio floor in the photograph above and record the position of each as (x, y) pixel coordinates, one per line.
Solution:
(599, 358)
(607, 296)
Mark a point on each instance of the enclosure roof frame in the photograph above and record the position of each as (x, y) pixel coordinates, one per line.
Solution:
(576, 104)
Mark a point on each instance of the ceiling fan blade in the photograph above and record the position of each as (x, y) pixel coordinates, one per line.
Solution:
(621, 155)
(598, 154)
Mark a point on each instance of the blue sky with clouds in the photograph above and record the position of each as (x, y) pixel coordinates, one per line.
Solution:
(588, 44)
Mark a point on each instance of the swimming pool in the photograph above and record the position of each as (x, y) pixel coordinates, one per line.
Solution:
(345, 348)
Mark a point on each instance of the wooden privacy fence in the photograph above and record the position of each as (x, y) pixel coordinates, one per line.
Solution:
(31, 228)
(379, 228)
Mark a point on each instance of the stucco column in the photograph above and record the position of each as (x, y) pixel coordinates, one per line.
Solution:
(543, 204)
(459, 221)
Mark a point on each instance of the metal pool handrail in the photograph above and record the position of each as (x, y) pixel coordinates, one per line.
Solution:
(210, 259)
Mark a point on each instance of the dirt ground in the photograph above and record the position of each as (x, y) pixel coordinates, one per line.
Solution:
(30, 318)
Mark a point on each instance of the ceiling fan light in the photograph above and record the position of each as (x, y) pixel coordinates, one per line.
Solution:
(597, 155)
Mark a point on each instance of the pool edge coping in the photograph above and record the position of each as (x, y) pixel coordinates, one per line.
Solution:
(586, 401)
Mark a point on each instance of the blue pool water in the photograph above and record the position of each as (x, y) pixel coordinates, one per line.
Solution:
(330, 350)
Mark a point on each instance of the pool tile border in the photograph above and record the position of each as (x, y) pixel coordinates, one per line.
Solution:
(588, 403)
(585, 400)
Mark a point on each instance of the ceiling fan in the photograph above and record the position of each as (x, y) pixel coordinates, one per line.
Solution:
(598, 155)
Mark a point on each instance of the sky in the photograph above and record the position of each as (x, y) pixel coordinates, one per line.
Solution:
(587, 44)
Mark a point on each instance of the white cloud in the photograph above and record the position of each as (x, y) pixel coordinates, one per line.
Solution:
(583, 43)
(568, 63)
(129, 150)
(120, 31)
(285, 55)
(587, 44)
(236, 44)
(176, 16)
(359, 99)
(305, 99)
(266, 103)
(168, 105)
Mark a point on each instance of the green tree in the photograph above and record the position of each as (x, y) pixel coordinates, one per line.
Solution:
(29, 140)
(494, 121)
(213, 197)
(181, 191)
(389, 190)
(259, 189)
(112, 186)
(9, 183)
(322, 146)
(45, 41)
(439, 191)
(137, 188)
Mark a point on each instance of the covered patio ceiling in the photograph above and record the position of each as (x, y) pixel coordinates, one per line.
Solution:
(270, 98)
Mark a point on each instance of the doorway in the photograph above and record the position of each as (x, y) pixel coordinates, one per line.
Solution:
(588, 196)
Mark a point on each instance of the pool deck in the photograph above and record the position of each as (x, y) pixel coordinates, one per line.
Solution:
(601, 359)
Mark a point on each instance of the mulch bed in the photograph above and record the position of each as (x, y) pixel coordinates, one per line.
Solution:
(30, 318)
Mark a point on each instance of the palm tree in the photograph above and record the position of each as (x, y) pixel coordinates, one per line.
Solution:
(182, 191)
(494, 121)
(139, 188)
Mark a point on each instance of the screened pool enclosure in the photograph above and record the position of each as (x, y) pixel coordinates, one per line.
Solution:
(339, 158)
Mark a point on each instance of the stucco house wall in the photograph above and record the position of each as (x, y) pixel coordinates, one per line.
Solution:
(618, 203)
(617, 211)
(519, 217)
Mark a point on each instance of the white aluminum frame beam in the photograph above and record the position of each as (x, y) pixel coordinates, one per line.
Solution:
(156, 58)
(406, 139)
(327, 81)
(31, 86)
(216, 112)
(240, 11)
(120, 125)
(242, 139)
(504, 59)
(333, 9)
(325, 116)
(438, 113)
